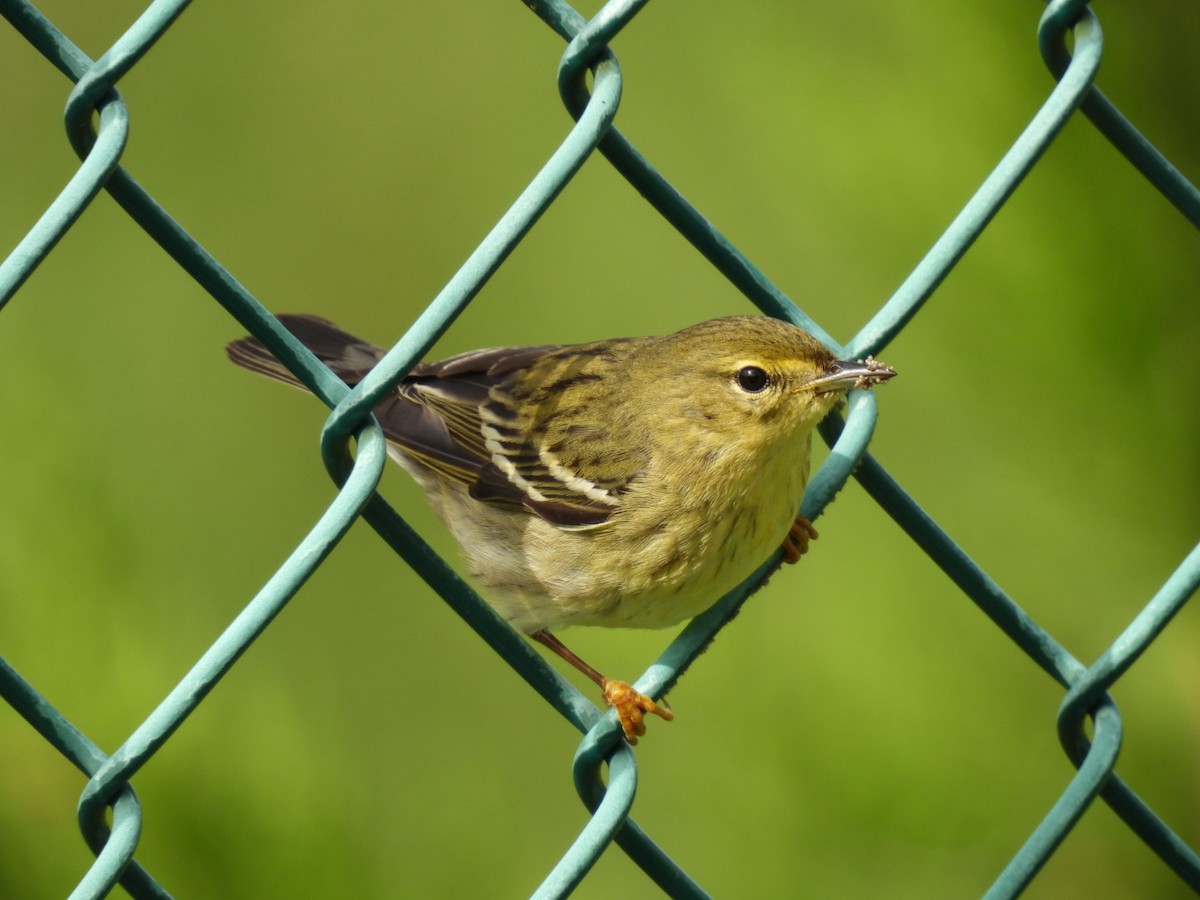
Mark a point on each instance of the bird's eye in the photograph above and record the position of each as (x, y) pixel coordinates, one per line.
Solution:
(752, 379)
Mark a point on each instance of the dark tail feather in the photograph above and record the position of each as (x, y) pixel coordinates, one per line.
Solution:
(250, 354)
(349, 357)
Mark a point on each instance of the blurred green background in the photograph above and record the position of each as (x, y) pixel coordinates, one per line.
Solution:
(860, 729)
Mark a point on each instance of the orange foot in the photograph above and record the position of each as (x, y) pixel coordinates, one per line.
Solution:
(632, 707)
(795, 545)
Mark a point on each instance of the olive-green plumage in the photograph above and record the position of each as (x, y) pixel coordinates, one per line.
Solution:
(629, 482)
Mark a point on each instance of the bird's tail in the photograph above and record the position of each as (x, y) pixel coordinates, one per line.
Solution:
(349, 357)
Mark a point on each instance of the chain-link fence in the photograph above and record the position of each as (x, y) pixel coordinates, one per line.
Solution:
(590, 83)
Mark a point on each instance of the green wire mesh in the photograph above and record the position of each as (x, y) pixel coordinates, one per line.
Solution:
(605, 771)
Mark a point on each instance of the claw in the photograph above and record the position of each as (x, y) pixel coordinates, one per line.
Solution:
(795, 544)
(632, 708)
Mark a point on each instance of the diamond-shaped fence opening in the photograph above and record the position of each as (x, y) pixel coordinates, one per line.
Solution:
(591, 83)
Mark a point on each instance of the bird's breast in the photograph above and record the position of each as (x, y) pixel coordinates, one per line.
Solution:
(692, 545)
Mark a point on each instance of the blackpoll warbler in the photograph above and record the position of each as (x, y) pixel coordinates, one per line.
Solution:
(625, 483)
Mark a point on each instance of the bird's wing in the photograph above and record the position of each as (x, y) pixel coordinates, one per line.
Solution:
(478, 419)
(434, 414)
(529, 441)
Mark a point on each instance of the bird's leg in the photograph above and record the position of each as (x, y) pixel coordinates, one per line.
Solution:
(631, 706)
(795, 545)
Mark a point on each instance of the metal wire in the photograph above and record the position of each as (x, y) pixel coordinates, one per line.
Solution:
(605, 768)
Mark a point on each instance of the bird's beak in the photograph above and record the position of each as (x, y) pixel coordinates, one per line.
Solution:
(844, 374)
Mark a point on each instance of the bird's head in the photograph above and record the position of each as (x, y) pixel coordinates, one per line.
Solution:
(752, 380)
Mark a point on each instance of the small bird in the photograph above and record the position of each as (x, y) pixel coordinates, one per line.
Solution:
(623, 483)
